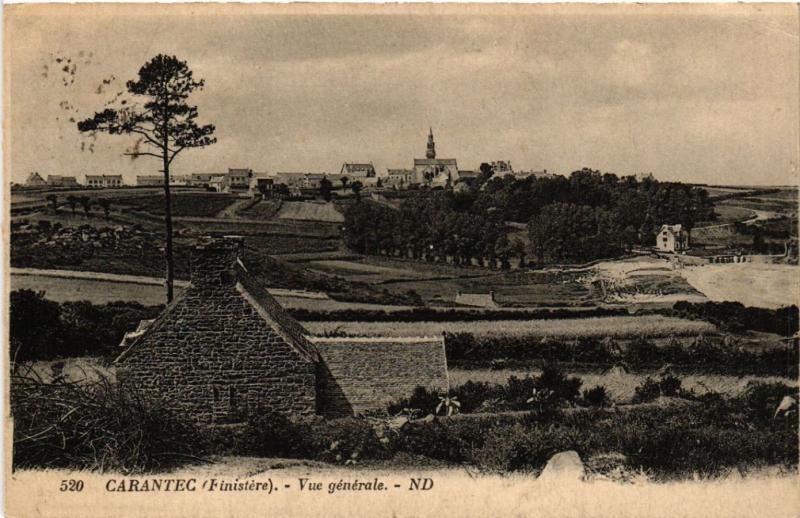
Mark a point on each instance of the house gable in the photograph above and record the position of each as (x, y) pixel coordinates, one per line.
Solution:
(218, 355)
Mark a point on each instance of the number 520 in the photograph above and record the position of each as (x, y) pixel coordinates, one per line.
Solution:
(71, 485)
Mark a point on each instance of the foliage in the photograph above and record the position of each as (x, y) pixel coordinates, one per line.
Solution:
(100, 426)
(585, 216)
(708, 354)
(165, 125)
(35, 327)
(41, 329)
(596, 396)
(737, 317)
(543, 393)
(426, 227)
(668, 386)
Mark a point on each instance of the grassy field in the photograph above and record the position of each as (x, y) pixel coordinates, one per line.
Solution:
(728, 213)
(621, 385)
(310, 211)
(264, 209)
(184, 204)
(438, 283)
(615, 326)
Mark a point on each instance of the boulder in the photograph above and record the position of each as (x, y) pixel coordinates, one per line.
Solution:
(564, 466)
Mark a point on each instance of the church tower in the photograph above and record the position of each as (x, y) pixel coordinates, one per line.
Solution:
(431, 152)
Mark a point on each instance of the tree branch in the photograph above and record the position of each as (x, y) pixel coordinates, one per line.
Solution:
(142, 153)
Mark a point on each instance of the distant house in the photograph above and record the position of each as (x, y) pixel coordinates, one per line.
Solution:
(672, 238)
(103, 181)
(201, 179)
(149, 180)
(35, 180)
(218, 183)
(239, 179)
(501, 168)
(399, 178)
(480, 300)
(300, 180)
(357, 171)
(56, 180)
(225, 351)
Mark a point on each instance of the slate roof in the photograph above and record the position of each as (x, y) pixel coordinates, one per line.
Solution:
(257, 295)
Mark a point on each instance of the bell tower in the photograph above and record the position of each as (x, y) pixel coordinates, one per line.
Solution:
(431, 152)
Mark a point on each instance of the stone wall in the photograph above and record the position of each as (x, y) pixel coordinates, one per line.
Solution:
(213, 357)
(363, 375)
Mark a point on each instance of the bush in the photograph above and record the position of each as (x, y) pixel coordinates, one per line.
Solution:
(596, 396)
(340, 440)
(272, 434)
(647, 391)
(736, 317)
(760, 400)
(98, 427)
(44, 330)
(421, 399)
(668, 386)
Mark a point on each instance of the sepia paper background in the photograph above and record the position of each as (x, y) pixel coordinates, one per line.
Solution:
(456, 492)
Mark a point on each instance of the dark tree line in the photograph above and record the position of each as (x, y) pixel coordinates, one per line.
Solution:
(433, 227)
(585, 216)
(41, 329)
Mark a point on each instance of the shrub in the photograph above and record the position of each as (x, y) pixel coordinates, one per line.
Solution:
(100, 426)
(421, 399)
(473, 394)
(596, 396)
(647, 391)
(272, 434)
(760, 400)
(668, 386)
(340, 440)
(642, 351)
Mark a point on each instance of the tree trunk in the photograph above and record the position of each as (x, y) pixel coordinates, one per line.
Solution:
(168, 225)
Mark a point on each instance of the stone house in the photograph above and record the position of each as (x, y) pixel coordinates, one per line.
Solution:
(103, 181)
(224, 350)
(354, 171)
(35, 180)
(672, 238)
(56, 180)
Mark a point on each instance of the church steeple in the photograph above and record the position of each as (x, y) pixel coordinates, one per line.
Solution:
(431, 152)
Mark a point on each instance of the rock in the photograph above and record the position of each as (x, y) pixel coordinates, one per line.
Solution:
(564, 466)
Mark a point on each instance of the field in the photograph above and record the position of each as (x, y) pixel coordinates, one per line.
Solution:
(263, 209)
(752, 284)
(439, 283)
(310, 211)
(619, 384)
(186, 204)
(615, 326)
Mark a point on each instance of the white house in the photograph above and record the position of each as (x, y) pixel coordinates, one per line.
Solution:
(672, 238)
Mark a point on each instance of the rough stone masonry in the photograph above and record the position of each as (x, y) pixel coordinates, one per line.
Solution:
(225, 350)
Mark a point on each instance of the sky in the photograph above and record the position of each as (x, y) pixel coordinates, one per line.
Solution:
(702, 94)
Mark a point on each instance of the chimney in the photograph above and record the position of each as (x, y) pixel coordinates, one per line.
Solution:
(214, 263)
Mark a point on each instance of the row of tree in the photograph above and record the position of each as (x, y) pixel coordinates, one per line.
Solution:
(85, 202)
(429, 227)
(585, 216)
